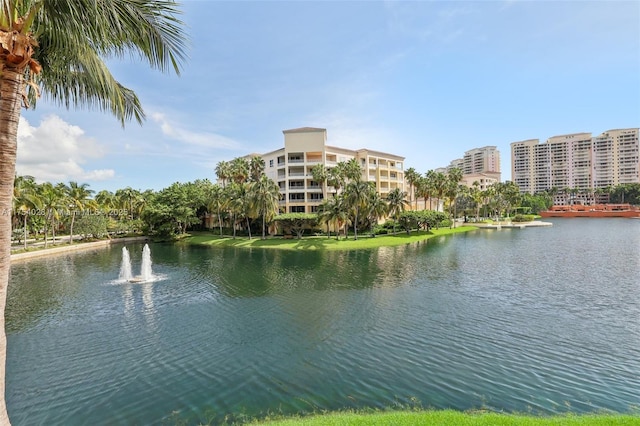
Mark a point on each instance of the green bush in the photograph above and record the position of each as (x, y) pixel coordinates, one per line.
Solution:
(446, 223)
(523, 218)
(380, 230)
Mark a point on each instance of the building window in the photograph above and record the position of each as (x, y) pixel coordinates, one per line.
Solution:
(270, 163)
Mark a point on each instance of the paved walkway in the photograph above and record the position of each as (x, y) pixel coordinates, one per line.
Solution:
(73, 247)
(511, 225)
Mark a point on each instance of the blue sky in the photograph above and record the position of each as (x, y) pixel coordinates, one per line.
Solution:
(421, 79)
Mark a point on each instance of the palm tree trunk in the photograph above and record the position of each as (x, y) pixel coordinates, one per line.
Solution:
(10, 87)
(263, 226)
(25, 231)
(73, 217)
(249, 227)
(233, 223)
(46, 231)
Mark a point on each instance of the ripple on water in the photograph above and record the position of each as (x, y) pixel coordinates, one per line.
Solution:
(464, 322)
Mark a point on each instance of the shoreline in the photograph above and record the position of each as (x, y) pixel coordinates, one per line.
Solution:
(511, 225)
(448, 417)
(53, 251)
(322, 243)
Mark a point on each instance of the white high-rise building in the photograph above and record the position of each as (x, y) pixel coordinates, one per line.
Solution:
(577, 161)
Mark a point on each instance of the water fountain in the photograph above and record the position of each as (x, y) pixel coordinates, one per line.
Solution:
(125, 266)
(145, 270)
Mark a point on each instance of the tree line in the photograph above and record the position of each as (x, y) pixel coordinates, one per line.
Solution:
(247, 201)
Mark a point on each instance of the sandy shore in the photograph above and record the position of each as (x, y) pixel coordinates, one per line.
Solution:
(72, 248)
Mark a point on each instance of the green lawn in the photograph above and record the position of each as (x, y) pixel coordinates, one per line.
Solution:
(322, 242)
(452, 418)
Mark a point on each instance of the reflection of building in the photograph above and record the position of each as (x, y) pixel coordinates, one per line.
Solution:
(578, 162)
(290, 167)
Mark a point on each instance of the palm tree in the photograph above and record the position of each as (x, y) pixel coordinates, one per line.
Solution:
(451, 185)
(320, 174)
(412, 178)
(48, 48)
(376, 208)
(265, 196)
(351, 170)
(128, 199)
(217, 203)
(256, 168)
(239, 170)
(477, 195)
(430, 186)
(223, 172)
(357, 193)
(397, 202)
(106, 200)
(239, 204)
(78, 200)
(51, 198)
(439, 186)
(25, 200)
(335, 178)
(334, 213)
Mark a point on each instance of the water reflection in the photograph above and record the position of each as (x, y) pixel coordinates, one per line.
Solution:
(511, 320)
(249, 273)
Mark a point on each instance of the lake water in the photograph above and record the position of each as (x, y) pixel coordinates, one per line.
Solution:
(541, 320)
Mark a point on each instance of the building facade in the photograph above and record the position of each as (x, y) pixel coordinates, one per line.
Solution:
(290, 167)
(478, 164)
(577, 162)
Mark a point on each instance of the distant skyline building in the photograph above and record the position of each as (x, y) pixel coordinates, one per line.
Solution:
(305, 147)
(480, 165)
(577, 162)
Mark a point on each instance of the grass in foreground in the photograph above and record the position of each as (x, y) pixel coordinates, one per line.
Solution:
(452, 418)
(322, 242)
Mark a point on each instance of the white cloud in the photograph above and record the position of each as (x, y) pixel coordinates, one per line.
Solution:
(56, 151)
(201, 139)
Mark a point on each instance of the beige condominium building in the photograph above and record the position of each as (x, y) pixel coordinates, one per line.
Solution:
(480, 165)
(576, 161)
(290, 167)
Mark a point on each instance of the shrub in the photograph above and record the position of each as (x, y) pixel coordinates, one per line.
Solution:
(523, 218)
(380, 230)
(446, 223)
